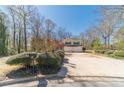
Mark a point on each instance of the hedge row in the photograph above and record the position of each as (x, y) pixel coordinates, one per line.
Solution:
(114, 53)
(119, 53)
(52, 60)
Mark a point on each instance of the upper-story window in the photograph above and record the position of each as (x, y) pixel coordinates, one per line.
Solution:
(76, 43)
(67, 43)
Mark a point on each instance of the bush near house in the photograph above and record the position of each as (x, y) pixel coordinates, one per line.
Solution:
(89, 51)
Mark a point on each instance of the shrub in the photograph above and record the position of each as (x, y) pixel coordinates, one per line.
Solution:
(88, 51)
(83, 49)
(109, 52)
(119, 53)
(59, 58)
(49, 60)
(61, 53)
(22, 59)
(96, 44)
(100, 51)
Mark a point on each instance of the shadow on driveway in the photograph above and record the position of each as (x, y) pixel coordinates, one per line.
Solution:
(59, 77)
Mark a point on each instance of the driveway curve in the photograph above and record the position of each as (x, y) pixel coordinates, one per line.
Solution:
(83, 64)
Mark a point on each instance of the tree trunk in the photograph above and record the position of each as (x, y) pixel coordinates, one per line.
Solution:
(14, 34)
(105, 42)
(108, 42)
(19, 45)
(25, 36)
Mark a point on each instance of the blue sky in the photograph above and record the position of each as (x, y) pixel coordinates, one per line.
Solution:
(74, 19)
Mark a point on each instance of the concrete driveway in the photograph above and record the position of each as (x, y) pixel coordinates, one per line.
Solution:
(93, 70)
(82, 64)
(85, 70)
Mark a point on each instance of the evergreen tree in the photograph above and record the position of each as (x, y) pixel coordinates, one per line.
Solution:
(3, 36)
(96, 44)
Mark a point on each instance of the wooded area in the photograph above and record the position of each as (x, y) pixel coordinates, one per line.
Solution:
(108, 33)
(23, 28)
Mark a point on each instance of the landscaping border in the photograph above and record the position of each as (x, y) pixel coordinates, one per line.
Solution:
(60, 74)
(33, 78)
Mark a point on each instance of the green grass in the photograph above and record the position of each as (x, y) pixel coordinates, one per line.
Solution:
(110, 55)
(114, 56)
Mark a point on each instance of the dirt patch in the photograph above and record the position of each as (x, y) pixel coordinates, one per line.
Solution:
(5, 69)
(27, 72)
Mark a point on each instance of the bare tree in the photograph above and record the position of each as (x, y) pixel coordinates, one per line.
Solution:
(49, 30)
(25, 12)
(68, 34)
(118, 40)
(37, 39)
(89, 36)
(108, 23)
(13, 17)
(61, 33)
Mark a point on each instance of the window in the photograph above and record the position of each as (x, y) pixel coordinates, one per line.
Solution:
(67, 43)
(76, 43)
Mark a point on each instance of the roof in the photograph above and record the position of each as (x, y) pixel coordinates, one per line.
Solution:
(72, 39)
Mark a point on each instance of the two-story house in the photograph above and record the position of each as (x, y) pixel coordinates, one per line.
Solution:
(72, 45)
